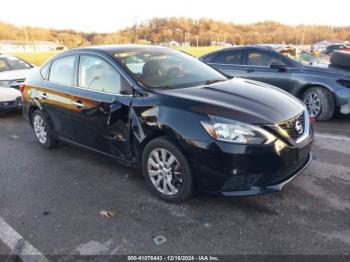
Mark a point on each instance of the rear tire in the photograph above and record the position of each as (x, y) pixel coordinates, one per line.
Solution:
(42, 129)
(163, 162)
(319, 102)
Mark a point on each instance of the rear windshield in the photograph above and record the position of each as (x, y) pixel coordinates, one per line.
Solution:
(164, 68)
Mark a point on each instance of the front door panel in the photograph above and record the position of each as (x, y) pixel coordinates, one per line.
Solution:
(281, 79)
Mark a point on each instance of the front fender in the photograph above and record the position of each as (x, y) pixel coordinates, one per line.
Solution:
(148, 122)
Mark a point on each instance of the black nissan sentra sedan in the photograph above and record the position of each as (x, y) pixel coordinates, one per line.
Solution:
(186, 126)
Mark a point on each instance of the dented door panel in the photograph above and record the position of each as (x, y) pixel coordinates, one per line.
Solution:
(101, 122)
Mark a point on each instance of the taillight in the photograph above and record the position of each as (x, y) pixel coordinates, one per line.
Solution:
(312, 119)
(21, 88)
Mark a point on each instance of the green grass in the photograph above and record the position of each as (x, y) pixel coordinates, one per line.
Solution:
(35, 58)
(199, 51)
(38, 58)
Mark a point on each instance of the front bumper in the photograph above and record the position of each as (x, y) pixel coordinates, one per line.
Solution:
(11, 105)
(256, 190)
(237, 170)
(342, 97)
(345, 109)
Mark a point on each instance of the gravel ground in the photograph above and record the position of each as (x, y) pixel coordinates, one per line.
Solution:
(53, 199)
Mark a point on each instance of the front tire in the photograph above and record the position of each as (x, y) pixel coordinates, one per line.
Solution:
(42, 129)
(167, 171)
(319, 102)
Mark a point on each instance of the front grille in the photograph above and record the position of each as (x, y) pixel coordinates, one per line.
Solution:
(246, 181)
(295, 127)
(240, 182)
(7, 103)
(16, 102)
(282, 173)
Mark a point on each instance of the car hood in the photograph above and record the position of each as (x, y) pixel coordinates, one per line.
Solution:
(326, 69)
(17, 74)
(242, 100)
(8, 94)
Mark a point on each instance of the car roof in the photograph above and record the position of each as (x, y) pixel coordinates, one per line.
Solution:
(243, 47)
(262, 47)
(116, 48)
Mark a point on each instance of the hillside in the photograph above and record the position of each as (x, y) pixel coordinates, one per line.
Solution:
(202, 32)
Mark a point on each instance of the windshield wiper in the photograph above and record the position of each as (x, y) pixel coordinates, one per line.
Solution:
(209, 82)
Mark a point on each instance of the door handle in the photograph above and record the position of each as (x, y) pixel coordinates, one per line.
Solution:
(43, 96)
(79, 104)
(250, 70)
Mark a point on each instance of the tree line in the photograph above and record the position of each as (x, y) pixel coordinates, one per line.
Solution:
(201, 32)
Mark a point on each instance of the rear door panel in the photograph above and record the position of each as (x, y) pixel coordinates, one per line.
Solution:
(100, 113)
(56, 101)
(101, 121)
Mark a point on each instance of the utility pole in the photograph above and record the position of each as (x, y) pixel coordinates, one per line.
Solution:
(135, 26)
(26, 36)
(188, 34)
(303, 37)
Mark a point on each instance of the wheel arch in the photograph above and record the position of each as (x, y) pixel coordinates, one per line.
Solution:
(164, 132)
(328, 102)
(310, 85)
(32, 108)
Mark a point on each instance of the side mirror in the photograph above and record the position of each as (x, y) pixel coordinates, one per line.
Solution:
(278, 65)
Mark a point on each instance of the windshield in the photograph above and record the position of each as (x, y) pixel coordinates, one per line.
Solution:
(163, 68)
(12, 63)
(307, 58)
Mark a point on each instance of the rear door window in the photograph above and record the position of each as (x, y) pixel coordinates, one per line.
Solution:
(62, 70)
(229, 58)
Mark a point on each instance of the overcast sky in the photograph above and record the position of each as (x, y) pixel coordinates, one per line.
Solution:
(111, 15)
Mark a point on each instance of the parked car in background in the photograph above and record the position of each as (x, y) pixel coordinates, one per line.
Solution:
(10, 100)
(318, 49)
(337, 47)
(288, 50)
(185, 125)
(13, 71)
(323, 89)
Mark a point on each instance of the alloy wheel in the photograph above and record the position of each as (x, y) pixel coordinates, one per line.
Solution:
(40, 129)
(164, 171)
(313, 104)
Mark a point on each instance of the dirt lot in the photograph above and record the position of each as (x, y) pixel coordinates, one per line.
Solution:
(53, 200)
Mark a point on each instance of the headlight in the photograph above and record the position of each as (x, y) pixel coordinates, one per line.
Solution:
(345, 83)
(235, 132)
(4, 83)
